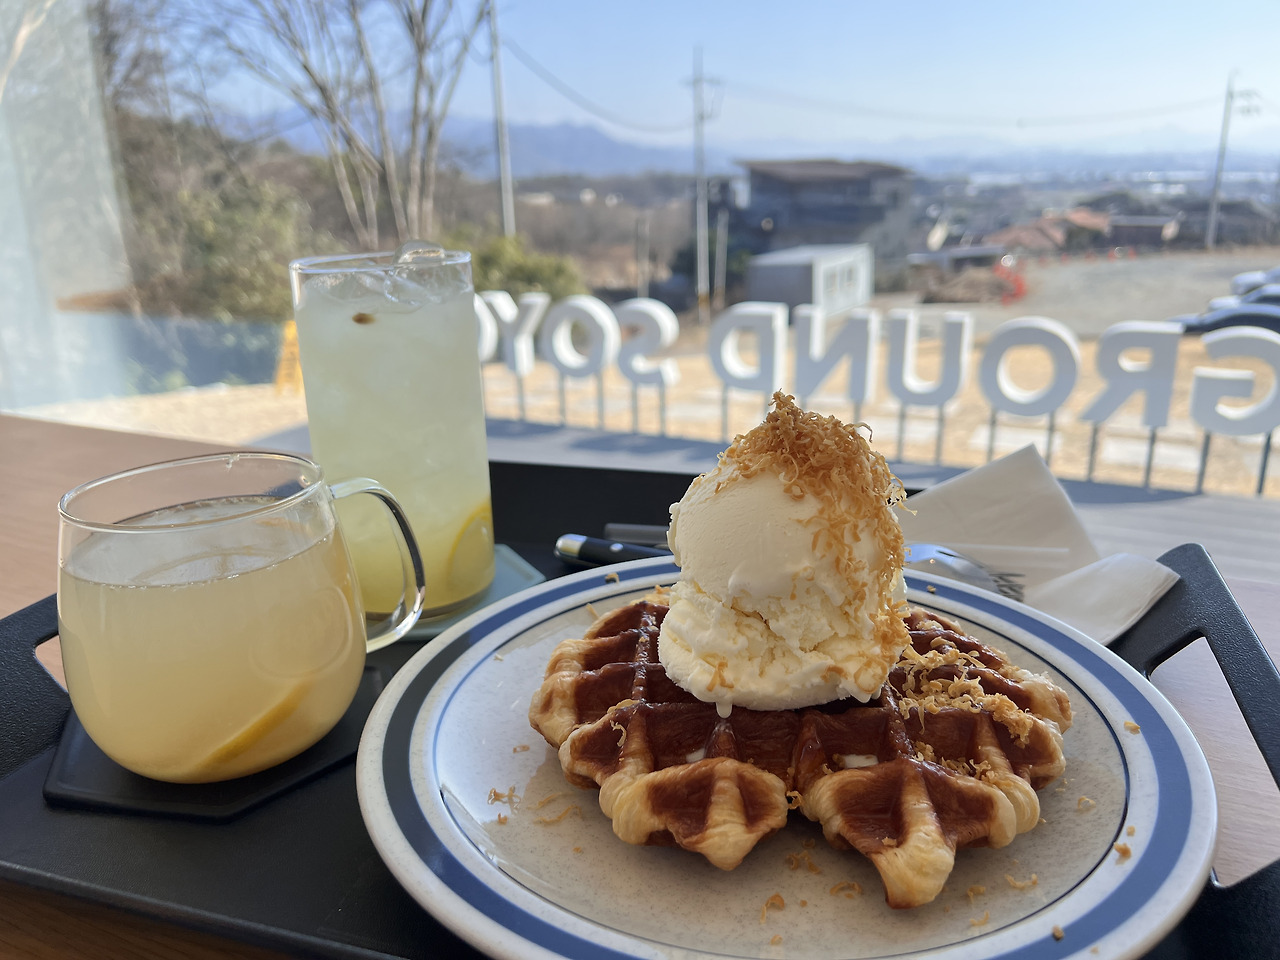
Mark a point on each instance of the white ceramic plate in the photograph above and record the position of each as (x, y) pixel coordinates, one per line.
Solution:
(468, 807)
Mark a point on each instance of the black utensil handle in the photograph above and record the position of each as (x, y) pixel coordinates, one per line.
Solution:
(1201, 605)
(593, 551)
(35, 706)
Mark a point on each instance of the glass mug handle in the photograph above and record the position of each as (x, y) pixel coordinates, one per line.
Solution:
(396, 627)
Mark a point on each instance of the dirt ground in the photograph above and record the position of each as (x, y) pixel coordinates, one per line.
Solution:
(1090, 293)
(1087, 294)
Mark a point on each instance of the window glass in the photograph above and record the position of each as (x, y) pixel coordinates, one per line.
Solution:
(161, 161)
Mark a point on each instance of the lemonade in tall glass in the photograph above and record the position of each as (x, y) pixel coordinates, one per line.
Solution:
(391, 371)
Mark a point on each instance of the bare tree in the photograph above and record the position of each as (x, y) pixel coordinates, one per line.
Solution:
(131, 57)
(375, 76)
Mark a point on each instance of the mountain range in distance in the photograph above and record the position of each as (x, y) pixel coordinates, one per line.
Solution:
(542, 150)
(552, 149)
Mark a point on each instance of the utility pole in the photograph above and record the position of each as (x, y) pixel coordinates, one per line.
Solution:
(700, 203)
(1211, 227)
(722, 256)
(1275, 192)
(500, 125)
(1248, 104)
(642, 254)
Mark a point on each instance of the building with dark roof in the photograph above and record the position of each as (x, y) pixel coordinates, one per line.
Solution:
(1245, 222)
(1138, 230)
(797, 202)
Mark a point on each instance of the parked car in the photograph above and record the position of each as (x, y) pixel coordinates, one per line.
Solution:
(1247, 315)
(1268, 293)
(1242, 283)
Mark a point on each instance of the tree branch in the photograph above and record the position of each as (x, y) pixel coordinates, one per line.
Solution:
(389, 165)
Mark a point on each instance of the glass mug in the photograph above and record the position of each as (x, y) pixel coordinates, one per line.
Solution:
(389, 346)
(209, 615)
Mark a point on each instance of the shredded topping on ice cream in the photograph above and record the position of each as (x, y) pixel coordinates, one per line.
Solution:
(791, 555)
(821, 457)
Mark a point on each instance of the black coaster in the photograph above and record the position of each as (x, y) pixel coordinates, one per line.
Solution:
(83, 776)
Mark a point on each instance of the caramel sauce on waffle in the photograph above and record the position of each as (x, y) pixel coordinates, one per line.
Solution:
(948, 755)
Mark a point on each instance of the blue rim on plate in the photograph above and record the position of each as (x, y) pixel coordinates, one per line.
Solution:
(407, 780)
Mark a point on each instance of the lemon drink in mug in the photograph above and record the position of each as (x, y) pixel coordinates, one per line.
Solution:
(218, 635)
(390, 365)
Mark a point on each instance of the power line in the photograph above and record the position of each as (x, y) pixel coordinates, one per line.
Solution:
(571, 94)
(867, 111)
(1141, 114)
(855, 109)
(1263, 102)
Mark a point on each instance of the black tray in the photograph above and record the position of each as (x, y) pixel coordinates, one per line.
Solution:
(299, 873)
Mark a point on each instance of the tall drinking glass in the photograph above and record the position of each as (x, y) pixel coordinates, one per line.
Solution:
(389, 345)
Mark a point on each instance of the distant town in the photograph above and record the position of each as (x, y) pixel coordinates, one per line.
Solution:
(927, 232)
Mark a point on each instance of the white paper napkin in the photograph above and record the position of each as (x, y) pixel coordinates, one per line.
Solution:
(1013, 518)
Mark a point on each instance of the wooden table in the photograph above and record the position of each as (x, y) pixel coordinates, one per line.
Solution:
(39, 461)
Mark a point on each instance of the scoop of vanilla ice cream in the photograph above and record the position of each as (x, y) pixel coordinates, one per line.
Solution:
(790, 589)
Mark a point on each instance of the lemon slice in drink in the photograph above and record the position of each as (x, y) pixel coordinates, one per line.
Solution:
(213, 765)
(471, 557)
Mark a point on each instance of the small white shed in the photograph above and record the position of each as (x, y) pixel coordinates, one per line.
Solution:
(835, 278)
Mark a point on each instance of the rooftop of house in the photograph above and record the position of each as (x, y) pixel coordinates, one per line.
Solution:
(809, 253)
(1042, 235)
(1137, 220)
(1087, 219)
(813, 171)
(1246, 206)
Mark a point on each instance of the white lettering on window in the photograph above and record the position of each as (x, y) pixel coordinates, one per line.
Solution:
(1127, 374)
(597, 330)
(816, 358)
(516, 325)
(1210, 386)
(1063, 350)
(904, 381)
(767, 322)
(651, 326)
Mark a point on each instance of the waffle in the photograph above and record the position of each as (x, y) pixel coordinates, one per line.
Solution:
(949, 755)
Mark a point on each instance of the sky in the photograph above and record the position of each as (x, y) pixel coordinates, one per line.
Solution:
(1105, 75)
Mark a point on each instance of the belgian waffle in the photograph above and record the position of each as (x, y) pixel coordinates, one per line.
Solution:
(949, 755)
